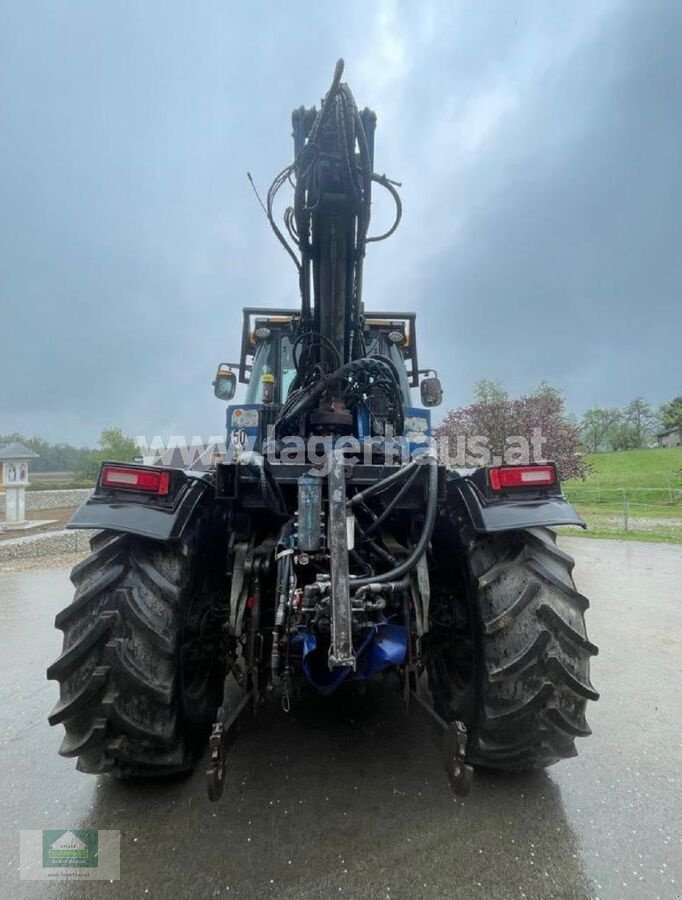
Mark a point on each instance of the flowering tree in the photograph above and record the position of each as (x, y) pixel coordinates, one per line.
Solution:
(497, 429)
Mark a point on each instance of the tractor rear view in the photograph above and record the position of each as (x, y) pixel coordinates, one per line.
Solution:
(328, 546)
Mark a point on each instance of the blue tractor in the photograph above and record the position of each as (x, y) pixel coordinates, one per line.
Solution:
(327, 543)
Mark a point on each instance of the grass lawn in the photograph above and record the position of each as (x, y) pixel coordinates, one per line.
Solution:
(645, 483)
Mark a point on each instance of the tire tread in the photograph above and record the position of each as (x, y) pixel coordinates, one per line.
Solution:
(117, 672)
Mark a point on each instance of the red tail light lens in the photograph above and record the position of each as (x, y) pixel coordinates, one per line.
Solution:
(521, 476)
(151, 481)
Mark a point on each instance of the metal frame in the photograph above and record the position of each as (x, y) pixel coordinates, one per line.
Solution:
(407, 318)
(250, 312)
(410, 318)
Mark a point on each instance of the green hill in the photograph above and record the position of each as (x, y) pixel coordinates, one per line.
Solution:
(656, 468)
(635, 494)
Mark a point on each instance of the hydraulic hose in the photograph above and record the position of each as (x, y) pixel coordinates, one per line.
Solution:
(420, 547)
(380, 486)
(391, 505)
(380, 552)
(371, 370)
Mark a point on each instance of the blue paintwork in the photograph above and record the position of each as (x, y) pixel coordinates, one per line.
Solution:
(415, 415)
(246, 436)
(362, 425)
(379, 647)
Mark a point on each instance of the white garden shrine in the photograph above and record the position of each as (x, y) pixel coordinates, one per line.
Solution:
(14, 459)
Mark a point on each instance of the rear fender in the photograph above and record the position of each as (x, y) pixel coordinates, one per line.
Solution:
(488, 514)
(133, 512)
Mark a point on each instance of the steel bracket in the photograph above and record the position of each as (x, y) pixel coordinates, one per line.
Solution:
(460, 772)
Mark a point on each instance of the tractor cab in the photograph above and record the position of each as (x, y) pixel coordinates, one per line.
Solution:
(267, 364)
(270, 353)
(271, 357)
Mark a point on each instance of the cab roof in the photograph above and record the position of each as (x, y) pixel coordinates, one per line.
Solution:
(285, 319)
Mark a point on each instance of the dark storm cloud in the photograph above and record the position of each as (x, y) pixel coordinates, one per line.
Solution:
(538, 145)
(569, 261)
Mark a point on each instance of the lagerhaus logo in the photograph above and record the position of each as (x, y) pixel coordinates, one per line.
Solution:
(70, 849)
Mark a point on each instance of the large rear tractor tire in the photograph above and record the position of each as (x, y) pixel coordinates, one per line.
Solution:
(121, 674)
(528, 683)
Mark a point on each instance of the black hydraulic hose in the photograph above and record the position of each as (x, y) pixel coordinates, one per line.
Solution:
(378, 550)
(420, 547)
(392, 504)
(272, 494)
(358, 560)
(386, 183)
(391, 586)
(305, 397)
(391, 365)
(326, 103)
(380, 486)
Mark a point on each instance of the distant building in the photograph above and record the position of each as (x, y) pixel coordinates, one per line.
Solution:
(672, 437)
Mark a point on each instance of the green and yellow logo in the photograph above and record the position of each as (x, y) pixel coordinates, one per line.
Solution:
(70, 849)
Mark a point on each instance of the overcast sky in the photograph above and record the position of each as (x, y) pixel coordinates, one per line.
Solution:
(539, 145)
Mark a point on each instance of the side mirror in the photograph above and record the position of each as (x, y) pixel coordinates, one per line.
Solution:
(225, 383)
(431, 391)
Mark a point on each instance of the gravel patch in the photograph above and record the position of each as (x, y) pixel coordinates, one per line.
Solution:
(52, 543)
(52, 499)
(59, 519)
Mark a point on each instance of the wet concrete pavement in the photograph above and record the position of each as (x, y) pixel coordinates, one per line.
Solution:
(352, 802)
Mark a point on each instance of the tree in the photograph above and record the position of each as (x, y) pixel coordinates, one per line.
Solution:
(640, 418)
(544, 412)
(51, 457)
(497, 429)
(490, 392)
(113, 445)
(623, 436)
(490, 414)
(117, 446)
(546, 391)
(597, 426)
(671, 413)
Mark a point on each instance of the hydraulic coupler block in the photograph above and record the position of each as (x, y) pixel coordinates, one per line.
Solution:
(309, 517)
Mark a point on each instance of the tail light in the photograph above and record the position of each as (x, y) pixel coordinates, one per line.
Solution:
(505, 477)
(127, 478)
